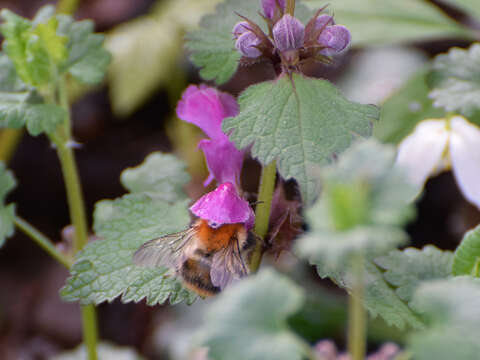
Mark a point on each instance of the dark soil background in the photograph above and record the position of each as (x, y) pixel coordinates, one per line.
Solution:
(34, 322)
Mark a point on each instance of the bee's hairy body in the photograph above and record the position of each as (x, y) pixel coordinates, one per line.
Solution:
(205, 258)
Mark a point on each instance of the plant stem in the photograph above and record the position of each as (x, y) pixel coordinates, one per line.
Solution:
(262, 211)
(290, 8)
(62, 138)
(42, 241)
(90, 332)
(67, 6)
(9, 139)
(356, 312)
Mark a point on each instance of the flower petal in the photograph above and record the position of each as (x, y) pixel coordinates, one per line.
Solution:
(335, 38)
(465, 157)
(224, 160)
(420, 153)
(269, 7)
(288, 33)
(224, 206)
(323, 21)
(206, 107)
(247, 44)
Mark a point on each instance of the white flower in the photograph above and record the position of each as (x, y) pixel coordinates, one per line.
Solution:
(441, 144)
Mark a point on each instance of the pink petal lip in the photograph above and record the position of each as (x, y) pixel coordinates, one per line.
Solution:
(206, 107)
(224, 206)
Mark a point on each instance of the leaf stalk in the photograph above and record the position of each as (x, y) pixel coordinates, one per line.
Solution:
(262, 211)
(44, 242)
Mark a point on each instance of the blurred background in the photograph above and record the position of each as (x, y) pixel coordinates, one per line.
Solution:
(133, 114)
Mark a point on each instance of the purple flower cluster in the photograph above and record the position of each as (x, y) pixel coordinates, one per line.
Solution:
(291, 41)
(206, 108)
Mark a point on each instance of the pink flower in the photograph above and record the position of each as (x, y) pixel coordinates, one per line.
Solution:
(288, 33)
(271, 7)
(224, 206)
(334, 38)
(206, 108)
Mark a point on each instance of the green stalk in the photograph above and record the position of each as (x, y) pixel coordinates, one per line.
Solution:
(62, 138)
(42, 241)
(356, 313)
(290, 8)
(67, 6)
(262, 211)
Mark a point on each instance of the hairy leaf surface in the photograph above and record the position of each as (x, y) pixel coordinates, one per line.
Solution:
(104, 269)
(466, 260)
(409, 268)
(302, 124)
(248, 321)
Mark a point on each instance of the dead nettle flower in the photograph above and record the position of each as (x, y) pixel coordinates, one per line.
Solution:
(206, 108)
(289, 42)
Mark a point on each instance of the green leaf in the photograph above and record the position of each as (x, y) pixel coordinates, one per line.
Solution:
(161, 176)
(105, 351)
(379, 298)
(451, 307)
(212, 46)
(104, 270)
(302, 125)
(248, 321)
(87, 59)
(457, 75)
(24, 108)
(337, 234)
(382, 22)
(409, 268)
(368, 224)
(466, 260)
(156, 42)
(35, 50)
(7, 212)
(404, 109)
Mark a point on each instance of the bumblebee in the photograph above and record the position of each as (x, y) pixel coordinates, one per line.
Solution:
(204, 257)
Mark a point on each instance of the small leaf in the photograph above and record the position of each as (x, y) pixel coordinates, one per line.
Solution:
(248, 321)
(213, 47)
(160, 175)
(7, 212)
(404, 109)
(466, 260)
(105, 351)
(409, 268)
(341, 226)
(451, 307)
(457, 75)
(87, 59)
(104, 269)
(382, 22)
(302, 125)
(23, 108)
(35, 50)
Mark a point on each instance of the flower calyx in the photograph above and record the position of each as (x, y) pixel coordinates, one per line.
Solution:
(289, 43)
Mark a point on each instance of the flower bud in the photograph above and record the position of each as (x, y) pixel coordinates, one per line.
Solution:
(240, 28)
(224, 206)
(334, 38)
(288, 33)
(247, 44)
(270, 6)
(323, 21)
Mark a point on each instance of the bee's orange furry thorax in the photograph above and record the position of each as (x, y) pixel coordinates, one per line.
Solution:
(215, 239)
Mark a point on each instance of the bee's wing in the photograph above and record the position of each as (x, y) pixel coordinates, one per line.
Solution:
(227, 265)
(164, 251)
